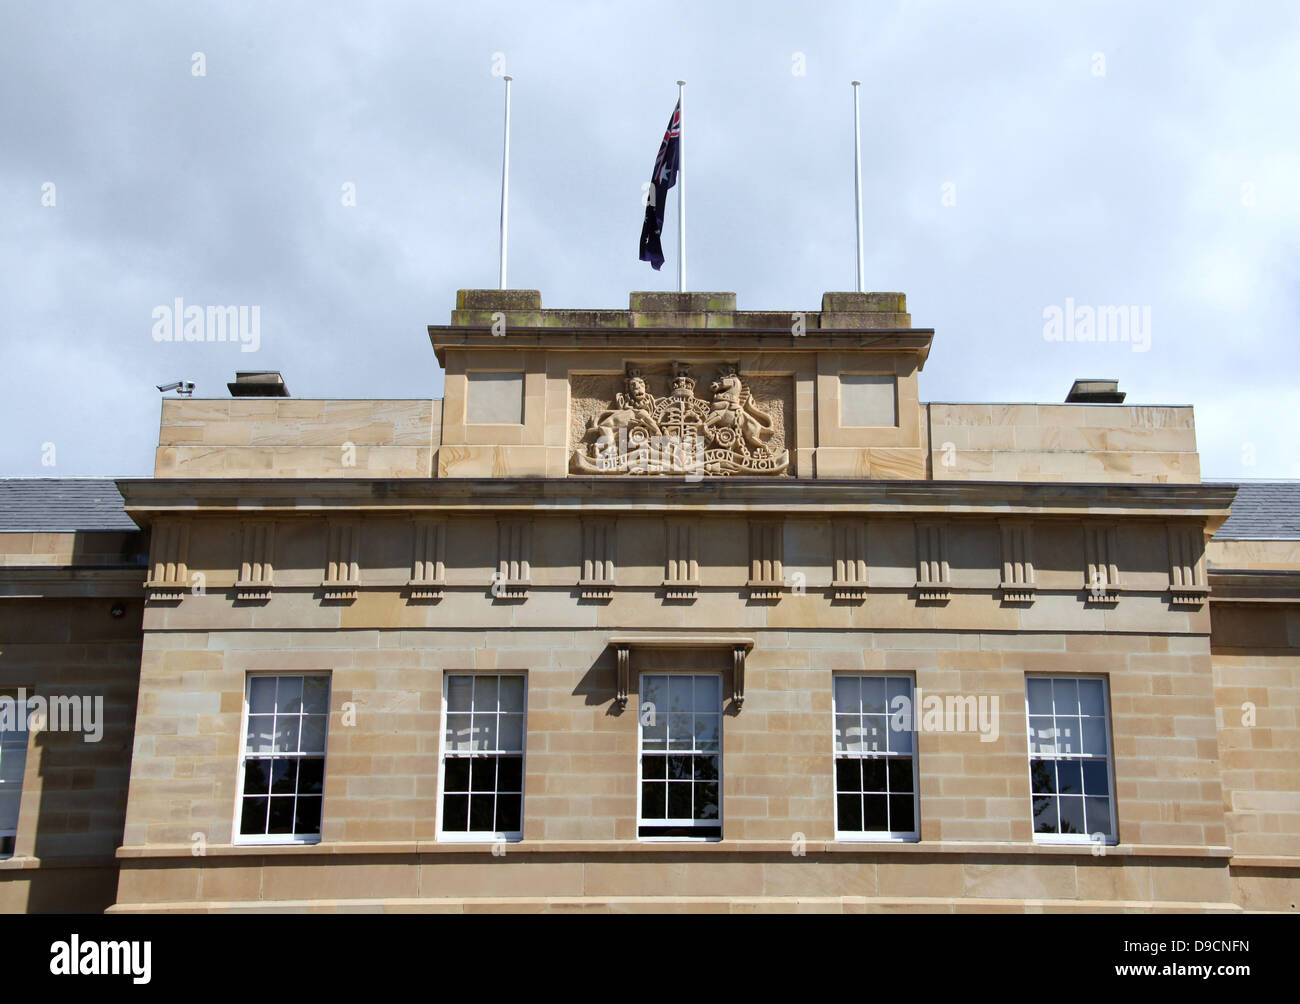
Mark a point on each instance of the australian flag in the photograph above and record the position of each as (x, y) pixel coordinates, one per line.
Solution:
(663, 178)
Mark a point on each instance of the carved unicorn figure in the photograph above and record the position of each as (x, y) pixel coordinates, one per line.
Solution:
(734, 408)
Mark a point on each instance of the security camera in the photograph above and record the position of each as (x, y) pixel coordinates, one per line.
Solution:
(183, 387)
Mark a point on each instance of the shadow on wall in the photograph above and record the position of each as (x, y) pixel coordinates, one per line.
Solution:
(81, 655)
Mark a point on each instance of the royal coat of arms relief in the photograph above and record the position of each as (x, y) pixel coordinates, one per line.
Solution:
(727, 433)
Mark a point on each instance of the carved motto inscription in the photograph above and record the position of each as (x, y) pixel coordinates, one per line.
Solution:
(739, 429)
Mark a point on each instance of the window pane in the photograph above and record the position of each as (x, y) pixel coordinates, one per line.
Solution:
(900, 773)
(654, 693)
(259, 738)
(311, 776)
(281, 817)
(681, 768)
(708, 697)
(458, 732)
(681, 694)
(1040, 696)
(284, 777)
(1069, 777)
(1067, 736)
(485, 693)
(1071, 809)
(456, 774)
(1092, 697)
(261, 695)
(1094, 736)
(481, 813)
(510, 732)
(1097, 811)
(899, 738)
(654, 799)
(654, 728)
(901, 814)
(1044, 813)
(873, 774)
(681, 732)
(307, 816)
(510, 773)
(848, 774)
(288, 695)
(252, 819)
(485, 731)
(459, 690)
(315, 695)
(286, 734)
(706, 732)
(512, 693)
(706, 800)
(848, 733)
(312, 738)
(509, 813)
(850, 809)
(1042, 735)
(875, 737)
(848, 690)
(706, 768)
(873, 695)
(257, 777)
(900, 695)
(483, 774)
(1096, 780)
(455, 813)
(1065, 697)
(679, 800)
(1042, 776)
(654, 767)
(875, 812)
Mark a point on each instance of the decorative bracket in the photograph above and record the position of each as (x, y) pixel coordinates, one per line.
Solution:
(738, 674)
(624, 676)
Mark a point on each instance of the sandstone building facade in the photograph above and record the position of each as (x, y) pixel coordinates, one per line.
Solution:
(677, 607)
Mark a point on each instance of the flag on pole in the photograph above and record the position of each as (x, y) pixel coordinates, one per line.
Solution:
(663, 178)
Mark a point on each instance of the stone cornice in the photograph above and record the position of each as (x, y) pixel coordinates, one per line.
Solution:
(660, 340)
(148, 498)
(19, 582)
(1253, 585)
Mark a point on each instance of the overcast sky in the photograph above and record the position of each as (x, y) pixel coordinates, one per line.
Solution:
(1014, 155)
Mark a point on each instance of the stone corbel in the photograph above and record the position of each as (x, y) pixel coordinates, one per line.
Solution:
(738, 674)
(624, 675)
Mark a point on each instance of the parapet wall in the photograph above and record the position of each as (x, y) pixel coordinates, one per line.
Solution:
(1063, 442)
(297, 438)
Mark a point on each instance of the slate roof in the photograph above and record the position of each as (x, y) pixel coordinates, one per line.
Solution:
(1264, 510)
(62, 504)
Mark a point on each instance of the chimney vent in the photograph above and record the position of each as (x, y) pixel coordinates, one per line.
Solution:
(258, 383)
(1095, 392)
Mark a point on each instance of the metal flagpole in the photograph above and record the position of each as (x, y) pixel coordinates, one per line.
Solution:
(505, 187)
(681, 187)
(857, 178)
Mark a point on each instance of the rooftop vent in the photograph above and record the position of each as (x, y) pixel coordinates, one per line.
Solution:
(1095, 392)
(258, 383)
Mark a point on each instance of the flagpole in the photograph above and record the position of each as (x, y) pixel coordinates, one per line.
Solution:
(505, 187)
(681, 187)
(857, 178)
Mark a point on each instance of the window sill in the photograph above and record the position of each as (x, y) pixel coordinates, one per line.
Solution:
(668, 845)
